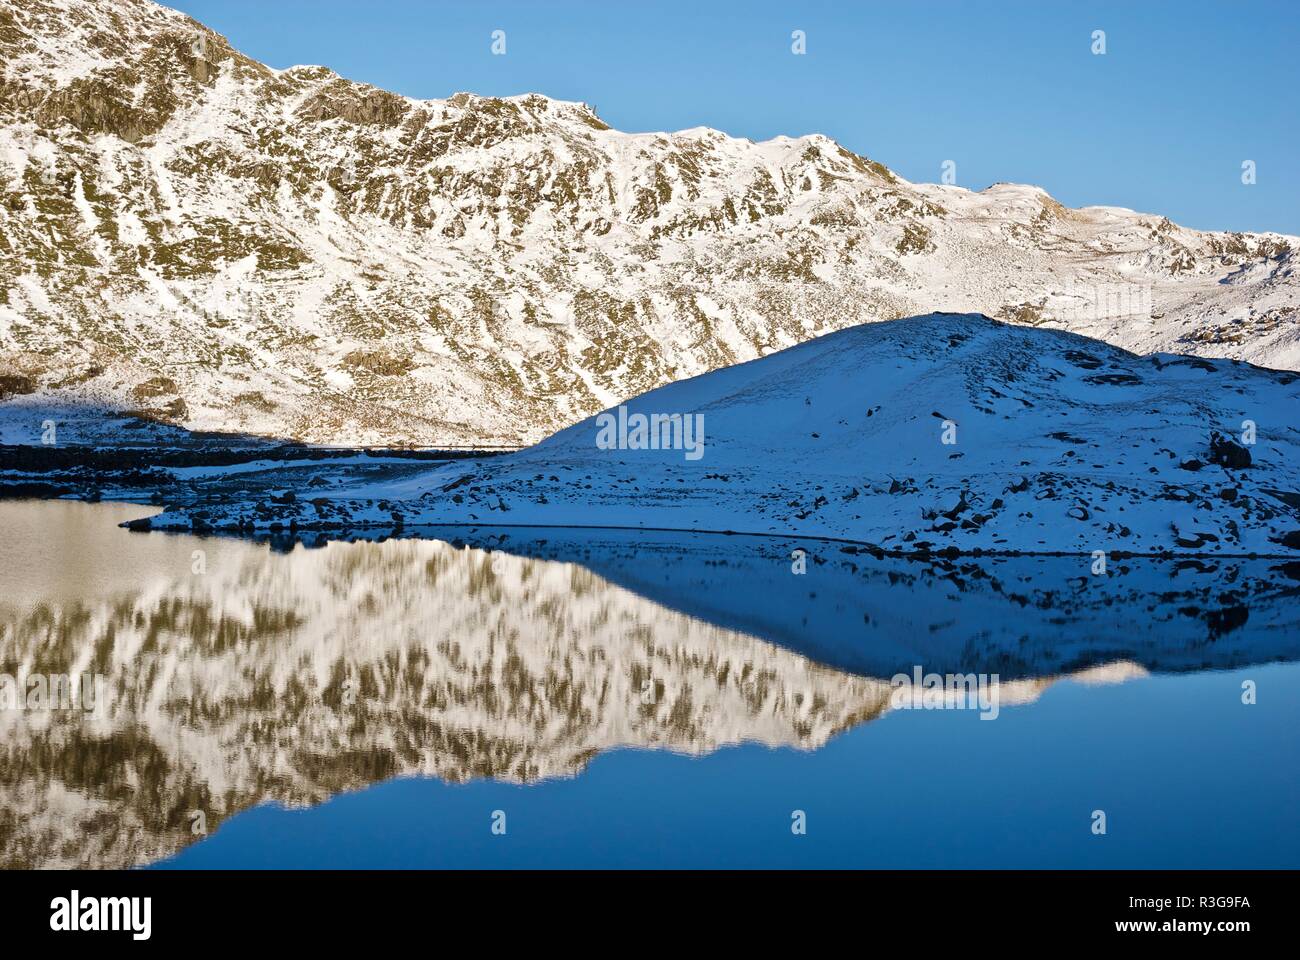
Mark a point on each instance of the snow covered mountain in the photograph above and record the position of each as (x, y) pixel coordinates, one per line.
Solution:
(189, 235)
(924, 434)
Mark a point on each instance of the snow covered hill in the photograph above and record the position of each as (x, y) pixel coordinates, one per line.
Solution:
(935, 432)
(193, 237)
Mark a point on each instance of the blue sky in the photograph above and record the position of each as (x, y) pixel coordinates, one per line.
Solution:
(1162, 122)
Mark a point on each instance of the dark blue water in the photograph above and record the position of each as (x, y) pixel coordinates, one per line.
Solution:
(1188, 777)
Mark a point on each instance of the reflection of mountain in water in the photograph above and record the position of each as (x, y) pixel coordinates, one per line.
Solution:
(292, 677)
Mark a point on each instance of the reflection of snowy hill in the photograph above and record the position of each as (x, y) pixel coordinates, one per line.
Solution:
(1019, 617)
(519, 655)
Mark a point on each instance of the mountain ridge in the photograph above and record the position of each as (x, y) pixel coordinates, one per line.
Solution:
(194, 238)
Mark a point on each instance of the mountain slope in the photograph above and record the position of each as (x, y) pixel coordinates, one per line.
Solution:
(936, 432)
(194, 237)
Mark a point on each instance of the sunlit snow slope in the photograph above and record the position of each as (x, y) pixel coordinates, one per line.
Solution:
(189, 235)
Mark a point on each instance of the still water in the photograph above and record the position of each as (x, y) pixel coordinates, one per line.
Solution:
(594, 698)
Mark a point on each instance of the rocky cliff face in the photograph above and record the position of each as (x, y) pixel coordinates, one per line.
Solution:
(192, 236)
